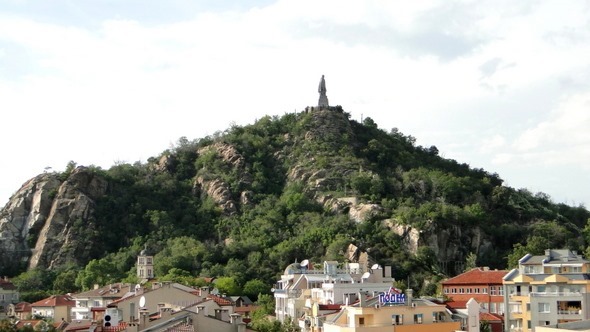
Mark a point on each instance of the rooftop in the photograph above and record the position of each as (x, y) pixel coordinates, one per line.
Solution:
(55, 301)
(477, 275)
(553, 256)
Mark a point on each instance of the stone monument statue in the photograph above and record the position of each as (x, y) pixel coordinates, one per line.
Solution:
(322, 90)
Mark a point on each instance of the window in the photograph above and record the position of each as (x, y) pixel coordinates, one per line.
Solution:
(541, 289)
(361, 320)
(492, 290)
(141, 261)
(149, 260)
(484, 290)
(446, 290)
(543, 307)
(418, 319)
(575, 269)
(477, 291)
(516, 308)
(438, 317)
(397, 319)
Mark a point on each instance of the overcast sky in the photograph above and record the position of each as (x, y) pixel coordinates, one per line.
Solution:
(499, 85)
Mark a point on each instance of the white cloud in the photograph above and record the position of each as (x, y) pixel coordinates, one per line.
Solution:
(477, 79)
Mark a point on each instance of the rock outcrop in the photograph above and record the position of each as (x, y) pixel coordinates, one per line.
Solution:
(36, 224)
(217, 189)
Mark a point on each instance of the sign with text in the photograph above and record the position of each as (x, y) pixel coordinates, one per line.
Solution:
(393, 296)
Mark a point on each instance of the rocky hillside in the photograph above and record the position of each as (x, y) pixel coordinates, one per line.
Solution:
(40, 223)
(305, 185)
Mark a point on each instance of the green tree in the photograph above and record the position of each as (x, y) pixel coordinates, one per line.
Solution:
(6, 326)
(65, 282)
(183, 253)
(98, 271)
(470, 261)
(228, 286)
(254, 288)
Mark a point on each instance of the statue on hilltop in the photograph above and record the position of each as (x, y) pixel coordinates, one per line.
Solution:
(323, 102)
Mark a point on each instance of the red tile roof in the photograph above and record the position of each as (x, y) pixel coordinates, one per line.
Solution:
(219, 300)
(7, 285)
(55, 301)
(490, 317)
(246, 309)
(477, 276)
(78, 325)
(457, 304)
(30, 322)
(22, 307)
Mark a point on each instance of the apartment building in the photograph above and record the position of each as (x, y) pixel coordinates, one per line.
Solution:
(301, 285)
(546, 290)
(481, 284)
(391, 311)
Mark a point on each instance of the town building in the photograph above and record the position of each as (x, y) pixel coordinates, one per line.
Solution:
(481, 284)
(99, 297)
(301, 284)
(390, 311)
(8, 294)
(145, 265)
(56, 307)
(172, 295)
(547, 290)
(20, 311)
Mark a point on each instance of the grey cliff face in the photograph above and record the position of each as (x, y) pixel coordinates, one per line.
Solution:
(36, 224)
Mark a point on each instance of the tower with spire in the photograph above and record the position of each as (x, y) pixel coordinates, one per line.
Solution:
(145, 265)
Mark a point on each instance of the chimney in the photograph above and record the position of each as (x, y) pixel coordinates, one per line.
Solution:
(387, 271)
(234, 319)
(362, 299)
(409, 296)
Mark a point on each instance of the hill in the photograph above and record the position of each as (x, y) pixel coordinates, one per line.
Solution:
(248, 201)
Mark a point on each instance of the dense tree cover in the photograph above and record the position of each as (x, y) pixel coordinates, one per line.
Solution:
(285, 169)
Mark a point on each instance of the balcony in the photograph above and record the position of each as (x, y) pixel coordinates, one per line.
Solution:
(555, 294)
(570, 311)
(291, 293)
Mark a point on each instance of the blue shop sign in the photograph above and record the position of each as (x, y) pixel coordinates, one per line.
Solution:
(393, 296)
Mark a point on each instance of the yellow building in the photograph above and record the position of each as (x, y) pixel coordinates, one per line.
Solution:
(392, 312)
(547, 290)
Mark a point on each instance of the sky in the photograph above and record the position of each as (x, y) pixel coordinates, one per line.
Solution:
(501, 85)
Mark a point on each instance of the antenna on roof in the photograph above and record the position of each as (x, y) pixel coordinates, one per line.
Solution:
(304, 263)
(366, 275)
(375, 267)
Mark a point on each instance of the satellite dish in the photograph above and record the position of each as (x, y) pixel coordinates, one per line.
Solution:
(142, 302)
(375, 267)
(366, 275)
(304, 263)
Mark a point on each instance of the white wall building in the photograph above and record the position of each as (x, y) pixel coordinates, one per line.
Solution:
(301, 285)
